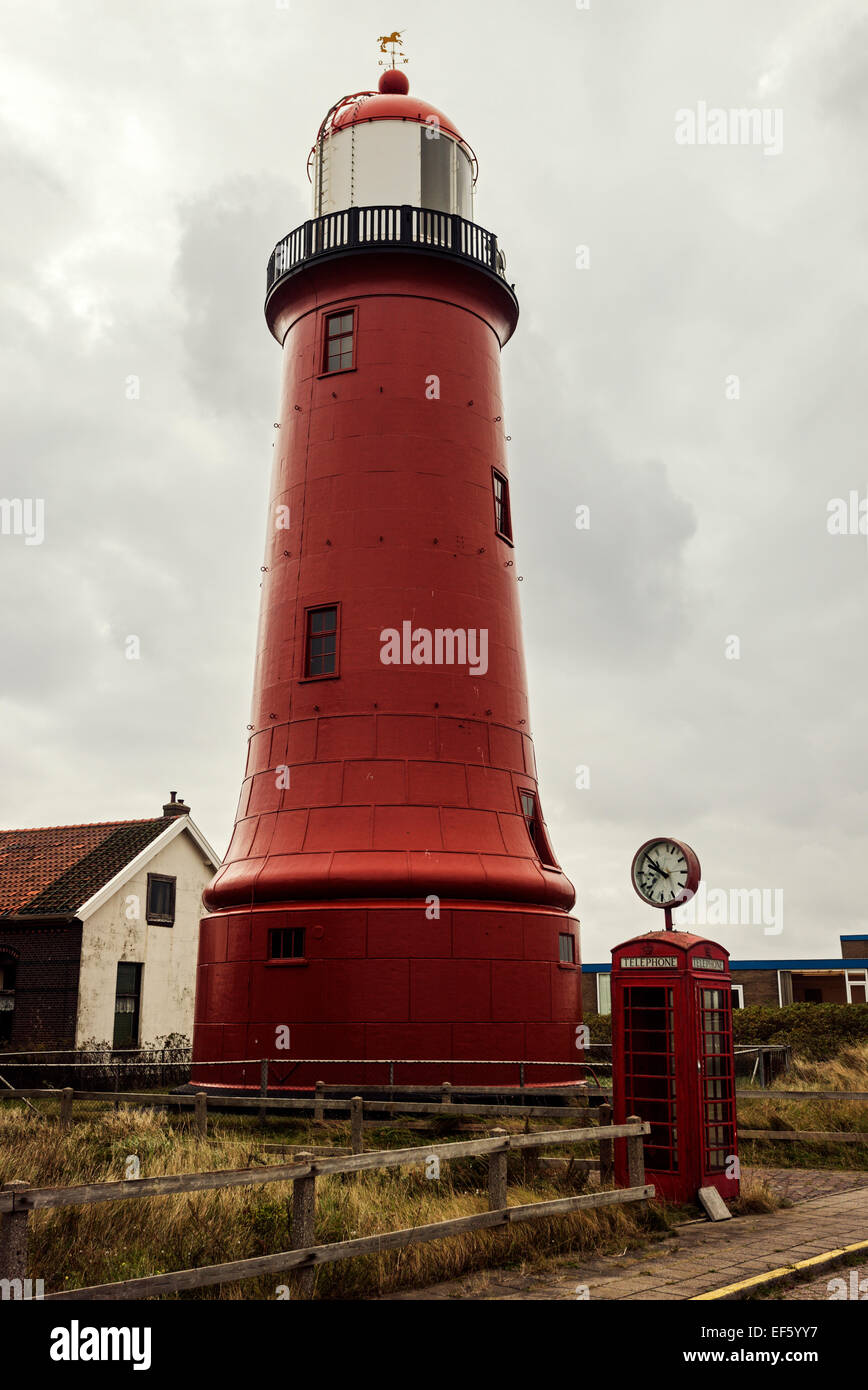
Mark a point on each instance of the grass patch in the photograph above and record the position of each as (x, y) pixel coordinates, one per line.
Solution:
(847, 1071)
(74, 1247)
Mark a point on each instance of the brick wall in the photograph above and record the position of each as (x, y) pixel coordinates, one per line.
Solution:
(855, 950)
(589, 994)
(760, 986)
(46, 983)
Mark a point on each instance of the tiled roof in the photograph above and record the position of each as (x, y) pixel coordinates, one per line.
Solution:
(56, 869)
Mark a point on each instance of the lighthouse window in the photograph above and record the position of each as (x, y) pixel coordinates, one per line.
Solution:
(436, 171)
(567, 944)
(286, 943)
(340, 342)
(321, 650)
(533, 821)
(502, 512)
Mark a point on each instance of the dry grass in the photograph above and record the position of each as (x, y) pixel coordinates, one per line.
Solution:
(848, 1071)
(73, 1247)
(756, 1197)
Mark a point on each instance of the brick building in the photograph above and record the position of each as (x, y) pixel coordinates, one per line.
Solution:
(770, 982)
(99, 930)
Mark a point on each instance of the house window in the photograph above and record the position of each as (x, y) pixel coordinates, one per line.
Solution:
(738, 996)
(604, 993)
(533, 821)
(286, 943)
(128, 995)
(567, 948)
(161, 900)
(502, 511)
(7, 999)
(321, 643)
(340, 339)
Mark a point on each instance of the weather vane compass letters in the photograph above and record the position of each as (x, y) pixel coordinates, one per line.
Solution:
(390, 44)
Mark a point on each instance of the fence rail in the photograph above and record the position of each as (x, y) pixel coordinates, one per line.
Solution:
(18, 1200)
(316, 1104)
(845, 1136)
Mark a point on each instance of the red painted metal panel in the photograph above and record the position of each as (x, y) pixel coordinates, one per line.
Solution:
(398, 844)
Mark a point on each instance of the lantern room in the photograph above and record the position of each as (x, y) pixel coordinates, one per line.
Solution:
(673, 1063)
(388, 149)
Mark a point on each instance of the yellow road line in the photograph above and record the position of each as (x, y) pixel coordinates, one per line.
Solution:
(785, 1271)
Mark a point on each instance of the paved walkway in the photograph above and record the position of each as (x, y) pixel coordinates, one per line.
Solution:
(700, 1257)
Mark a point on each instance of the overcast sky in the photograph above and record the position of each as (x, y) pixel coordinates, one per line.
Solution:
(152, 155)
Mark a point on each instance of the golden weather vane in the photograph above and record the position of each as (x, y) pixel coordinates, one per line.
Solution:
(393, 42)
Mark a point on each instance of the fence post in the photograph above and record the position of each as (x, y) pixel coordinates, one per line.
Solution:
(303, 1223)
(446, 1093)
(607, 1147)
(318, 1109)
(497, 1173)
(263, 1087)
(635, 1156)
(202, 1114)
(13, 1237)
(357, 1118)
(66, 1099)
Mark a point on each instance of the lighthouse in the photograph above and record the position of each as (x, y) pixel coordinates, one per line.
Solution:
(391, 891)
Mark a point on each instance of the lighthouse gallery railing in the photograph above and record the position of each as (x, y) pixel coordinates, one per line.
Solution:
(357, 228)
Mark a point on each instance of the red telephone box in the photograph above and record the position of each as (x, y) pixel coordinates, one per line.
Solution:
(673, 1063)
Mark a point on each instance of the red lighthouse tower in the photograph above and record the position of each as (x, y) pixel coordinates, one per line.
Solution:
(390, 891)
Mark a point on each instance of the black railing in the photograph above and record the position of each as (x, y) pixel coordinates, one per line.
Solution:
(355, 229)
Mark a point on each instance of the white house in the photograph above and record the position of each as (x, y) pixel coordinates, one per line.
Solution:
(99, 928)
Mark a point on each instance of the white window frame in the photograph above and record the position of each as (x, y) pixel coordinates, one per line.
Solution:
(856, 977)
(738, 992)
(604, 994)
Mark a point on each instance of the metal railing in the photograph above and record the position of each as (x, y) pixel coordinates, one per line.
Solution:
(372, 228)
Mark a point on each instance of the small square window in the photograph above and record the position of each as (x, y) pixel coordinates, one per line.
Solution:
(286, 943)
(567, 948)
(161, 900)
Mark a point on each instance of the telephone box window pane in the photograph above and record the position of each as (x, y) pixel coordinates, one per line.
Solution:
(649, 1062)
(321, 646)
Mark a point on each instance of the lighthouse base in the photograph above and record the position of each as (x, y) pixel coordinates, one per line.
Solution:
(376, 993)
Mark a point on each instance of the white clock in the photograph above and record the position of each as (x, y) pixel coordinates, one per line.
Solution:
(665, 872)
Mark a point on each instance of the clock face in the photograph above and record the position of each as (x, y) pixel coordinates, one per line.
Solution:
(665, 872)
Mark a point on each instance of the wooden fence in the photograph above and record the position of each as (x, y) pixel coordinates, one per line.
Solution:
(19, 1199)
(317, 1104)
